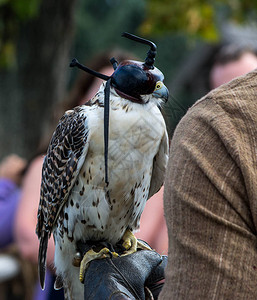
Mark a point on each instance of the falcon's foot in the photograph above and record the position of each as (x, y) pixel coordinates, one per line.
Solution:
(91, 255)
(131, 244)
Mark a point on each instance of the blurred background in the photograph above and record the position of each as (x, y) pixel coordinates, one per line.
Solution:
(39, 38)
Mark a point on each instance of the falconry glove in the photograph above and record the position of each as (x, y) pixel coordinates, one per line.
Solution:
(134, 276)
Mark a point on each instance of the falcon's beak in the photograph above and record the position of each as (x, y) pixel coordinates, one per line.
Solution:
(161, 91)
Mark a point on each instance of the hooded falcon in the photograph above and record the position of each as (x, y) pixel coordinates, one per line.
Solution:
(105, 160)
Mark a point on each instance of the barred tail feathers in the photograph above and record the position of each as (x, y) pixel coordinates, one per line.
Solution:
(42, 259)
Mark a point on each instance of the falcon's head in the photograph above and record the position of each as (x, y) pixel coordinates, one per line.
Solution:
(136, 81)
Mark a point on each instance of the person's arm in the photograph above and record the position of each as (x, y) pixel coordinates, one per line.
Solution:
(26, 218)
(153, 228)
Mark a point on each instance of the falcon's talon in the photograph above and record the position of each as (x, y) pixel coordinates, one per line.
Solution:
(130, 242)
(115, 254)
(92, 255)
(127, 244)
(143, 246)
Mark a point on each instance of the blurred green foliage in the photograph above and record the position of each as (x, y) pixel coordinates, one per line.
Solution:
(145, 17)
(13, 13)
(195, 17)
(99, 25)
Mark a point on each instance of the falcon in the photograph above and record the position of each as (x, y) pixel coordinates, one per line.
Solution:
(105, 160)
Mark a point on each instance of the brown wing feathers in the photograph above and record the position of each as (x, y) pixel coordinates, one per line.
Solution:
(60, 169)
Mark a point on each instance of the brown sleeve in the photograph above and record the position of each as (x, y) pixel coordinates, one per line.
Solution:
(210, 197)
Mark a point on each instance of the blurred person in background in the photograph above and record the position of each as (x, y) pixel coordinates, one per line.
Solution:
(230, 62)
(11, 172)
(17, 277)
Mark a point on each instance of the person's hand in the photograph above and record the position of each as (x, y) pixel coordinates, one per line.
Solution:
(134, 276)
(11, 167)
